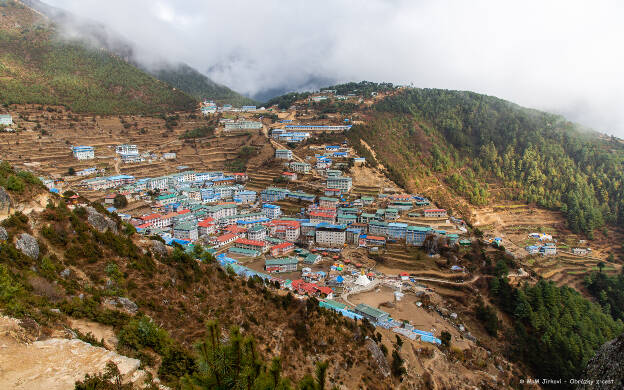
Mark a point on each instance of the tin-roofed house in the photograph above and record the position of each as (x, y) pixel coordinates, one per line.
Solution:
(284, 264)
(371, 313)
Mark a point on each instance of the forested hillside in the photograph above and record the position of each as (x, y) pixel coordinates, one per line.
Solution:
(199, 86)
(477, 143)
(37, 67)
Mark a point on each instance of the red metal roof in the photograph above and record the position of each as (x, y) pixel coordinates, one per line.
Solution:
(433, 210)
(325, 290)
(279, 222)
(283, 245)
(320, 214)
(379, 238)
(226, 237)
(151, 217)
(235, 229)
(245, 241)
(206, 222)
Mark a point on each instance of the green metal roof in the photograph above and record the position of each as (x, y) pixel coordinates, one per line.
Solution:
(370, 311)
(333, 304)
(185, 226)
(244, 252)
(281, 261)
(311, 258)
(419, 228)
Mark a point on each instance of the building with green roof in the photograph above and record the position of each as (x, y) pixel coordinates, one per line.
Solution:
(371, 313)
(283, 264)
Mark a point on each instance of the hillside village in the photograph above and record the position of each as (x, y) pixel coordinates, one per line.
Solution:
(307, 224)
(280, 195)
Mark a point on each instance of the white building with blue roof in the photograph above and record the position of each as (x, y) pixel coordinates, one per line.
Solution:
(83, 152)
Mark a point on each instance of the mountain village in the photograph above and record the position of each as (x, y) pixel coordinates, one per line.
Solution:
(307, 229)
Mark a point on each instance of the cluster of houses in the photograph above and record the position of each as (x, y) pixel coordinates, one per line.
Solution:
(216, 209)
(545, 247)
(308, 285)
(210, 107)
(128, 153)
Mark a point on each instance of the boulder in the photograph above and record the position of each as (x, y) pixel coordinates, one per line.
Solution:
(28, 245)
(100, 222)
(3, 234)
(124, 302)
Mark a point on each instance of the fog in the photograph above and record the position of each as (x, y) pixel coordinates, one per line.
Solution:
(560, 56)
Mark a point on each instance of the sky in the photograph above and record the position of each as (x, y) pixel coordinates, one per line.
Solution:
(560, 56)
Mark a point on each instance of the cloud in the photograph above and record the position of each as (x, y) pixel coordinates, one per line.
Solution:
(562, 55)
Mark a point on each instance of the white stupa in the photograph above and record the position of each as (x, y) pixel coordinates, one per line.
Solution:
(362, 280)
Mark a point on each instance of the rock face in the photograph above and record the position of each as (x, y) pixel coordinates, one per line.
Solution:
(100, 222)
(382, 363)
(28, 245)
(3, 234)
(55, 363)
(159, 248)
(5, 199)
(124, 302)
(607, 366)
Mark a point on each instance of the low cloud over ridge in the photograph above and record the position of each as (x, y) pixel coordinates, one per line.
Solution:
(560, 56)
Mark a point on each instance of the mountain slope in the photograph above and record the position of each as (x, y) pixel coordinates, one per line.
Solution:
(198, 85)
(484, 148)
(180, 76)
(37, 67)
(61, 264)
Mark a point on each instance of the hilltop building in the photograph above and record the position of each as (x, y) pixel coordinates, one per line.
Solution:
(83, 152)
(284, 154)
(6, 120)
(243, 125)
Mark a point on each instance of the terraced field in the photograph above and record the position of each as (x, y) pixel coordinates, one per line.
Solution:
(46, 134)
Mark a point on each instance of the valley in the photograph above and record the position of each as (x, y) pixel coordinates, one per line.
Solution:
(159, 230)
(434, 289)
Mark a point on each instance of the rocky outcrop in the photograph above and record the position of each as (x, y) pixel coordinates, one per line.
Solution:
(124, 302)
(54, 363)
(605, 371)
(159, 248)
(5, 199)
(28, 245)
(100, 222)
(382, 363)
(3, 234)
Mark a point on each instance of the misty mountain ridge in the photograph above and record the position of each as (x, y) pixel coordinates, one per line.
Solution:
(178, 74)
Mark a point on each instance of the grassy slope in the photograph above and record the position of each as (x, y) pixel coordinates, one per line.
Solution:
(35, 67)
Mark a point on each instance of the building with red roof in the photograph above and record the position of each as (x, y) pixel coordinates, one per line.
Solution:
(282, 249)
(224, 239)
(375, 240)
(256, 245)
(236, 229)
(285, 229)
(206, 227)
(155, 219)
(290, 176)
(240, 177)
(318, 217)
